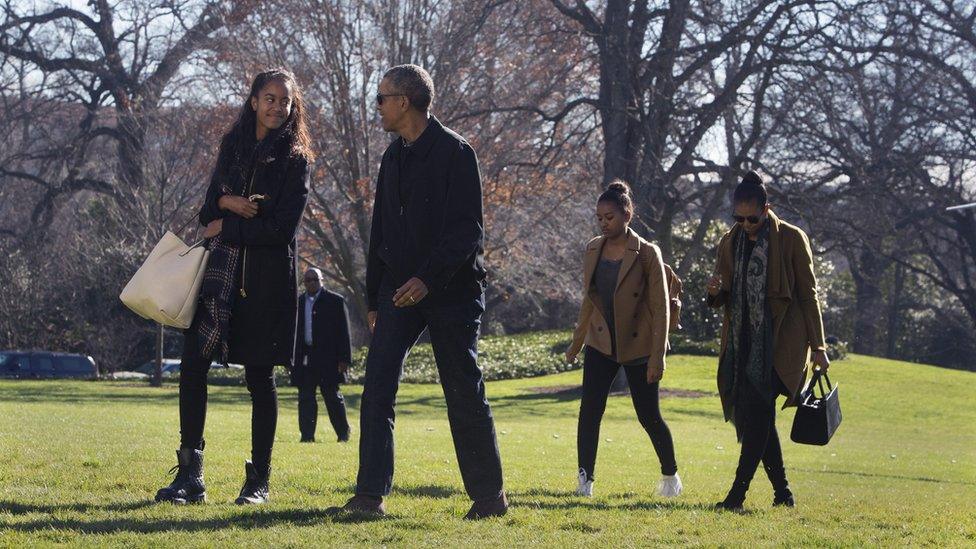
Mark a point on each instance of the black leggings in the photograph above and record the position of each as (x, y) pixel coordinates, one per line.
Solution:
(193, 405)
(598, 374)
(755, 419)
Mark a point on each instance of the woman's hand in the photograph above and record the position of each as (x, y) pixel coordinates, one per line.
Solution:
(371, 321)
(820, 360)
(654, 374)
(714, 285)
(571, 356)
(238, 205)
(213, 228)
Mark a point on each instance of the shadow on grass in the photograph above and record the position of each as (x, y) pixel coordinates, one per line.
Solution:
(248, 519)
(416, 491)
(881, 475)
(16, 508)
(566, 500)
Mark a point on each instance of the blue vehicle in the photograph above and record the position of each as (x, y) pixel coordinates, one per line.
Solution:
(46, 365)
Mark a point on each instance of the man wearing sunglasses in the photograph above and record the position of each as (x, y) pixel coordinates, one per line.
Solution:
(764, 281)
(425, 270)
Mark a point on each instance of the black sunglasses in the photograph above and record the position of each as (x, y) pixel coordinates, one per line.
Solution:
(742, 218)
(381, 96)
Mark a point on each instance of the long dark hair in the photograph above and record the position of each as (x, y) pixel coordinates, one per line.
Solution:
(295, 128)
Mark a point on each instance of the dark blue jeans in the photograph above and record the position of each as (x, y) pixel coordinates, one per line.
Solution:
(453, 329)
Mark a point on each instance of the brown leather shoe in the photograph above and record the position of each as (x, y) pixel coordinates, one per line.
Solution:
(490, 507)
(361, 504)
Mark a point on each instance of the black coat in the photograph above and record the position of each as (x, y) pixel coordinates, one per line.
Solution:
(331, 343)
(435, 234)
(264, 313)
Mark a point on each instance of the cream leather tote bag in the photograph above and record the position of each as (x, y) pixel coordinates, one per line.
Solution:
(165, 288)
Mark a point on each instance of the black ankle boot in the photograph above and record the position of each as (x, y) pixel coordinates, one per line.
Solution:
(781, 487)
(188, 485)
(783, 497)
(255, 489)
(735, 498)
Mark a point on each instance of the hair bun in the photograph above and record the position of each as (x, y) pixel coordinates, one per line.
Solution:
(753, 178)
(619, 187)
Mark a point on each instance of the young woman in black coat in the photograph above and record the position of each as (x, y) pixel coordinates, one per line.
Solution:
(248, 303)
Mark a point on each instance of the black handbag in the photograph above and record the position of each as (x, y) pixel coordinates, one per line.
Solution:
(817, 418)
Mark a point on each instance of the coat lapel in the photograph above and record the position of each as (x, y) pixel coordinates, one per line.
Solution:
(593, 252)
(630, 256)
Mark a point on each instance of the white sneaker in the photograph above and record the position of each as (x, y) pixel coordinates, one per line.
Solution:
(585, 487)
(670, 486)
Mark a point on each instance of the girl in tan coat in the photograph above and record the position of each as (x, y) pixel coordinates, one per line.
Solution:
(623, 322)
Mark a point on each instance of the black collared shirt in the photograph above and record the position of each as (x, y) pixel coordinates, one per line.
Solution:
(410, 163)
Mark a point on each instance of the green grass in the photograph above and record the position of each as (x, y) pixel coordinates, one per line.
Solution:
(81, 461)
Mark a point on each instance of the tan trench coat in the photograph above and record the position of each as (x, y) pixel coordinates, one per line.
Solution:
(792, 294)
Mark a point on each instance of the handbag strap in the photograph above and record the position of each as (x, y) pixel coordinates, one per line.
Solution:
(819, 376)
(187, 223)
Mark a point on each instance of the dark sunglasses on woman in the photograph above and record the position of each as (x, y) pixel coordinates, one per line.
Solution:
(742, 218)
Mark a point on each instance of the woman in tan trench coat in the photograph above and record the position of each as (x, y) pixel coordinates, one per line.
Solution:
(623, 321)
(764, 281)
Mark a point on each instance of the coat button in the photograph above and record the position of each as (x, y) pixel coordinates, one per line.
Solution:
(636, 294)
(635, 334)
(599, 328)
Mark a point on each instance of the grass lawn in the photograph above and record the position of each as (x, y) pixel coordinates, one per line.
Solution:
(82, 460)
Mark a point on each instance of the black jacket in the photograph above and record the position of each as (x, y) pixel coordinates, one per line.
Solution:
(331, 343)
(437, 232)
(264, 314)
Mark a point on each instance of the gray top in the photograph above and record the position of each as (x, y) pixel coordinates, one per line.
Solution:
(605, 279)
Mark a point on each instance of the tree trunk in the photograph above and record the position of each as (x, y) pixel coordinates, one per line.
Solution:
(157, 378)
(894, 311)
(867, 272)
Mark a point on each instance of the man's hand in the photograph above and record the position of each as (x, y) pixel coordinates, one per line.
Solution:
(571, 356)
(343, 368)
(371, 320)
(714, 285)
(239, 205)
(410, 293)
(820, 360)
(213, 228)
(654, 375)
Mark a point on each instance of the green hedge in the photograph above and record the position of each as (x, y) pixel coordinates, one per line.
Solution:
(501, 357)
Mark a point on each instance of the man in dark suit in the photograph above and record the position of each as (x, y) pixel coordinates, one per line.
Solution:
(323, 352)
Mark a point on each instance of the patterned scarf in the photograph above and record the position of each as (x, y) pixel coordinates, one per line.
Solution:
(216, 295)
(752, 288)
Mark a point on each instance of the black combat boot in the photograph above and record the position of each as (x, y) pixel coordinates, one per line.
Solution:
(188, 485)
(255, 489)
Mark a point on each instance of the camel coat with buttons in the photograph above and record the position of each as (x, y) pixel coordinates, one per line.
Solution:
(640, 304)
(791, 290)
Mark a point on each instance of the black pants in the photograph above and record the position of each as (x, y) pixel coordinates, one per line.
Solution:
(453, 329)
(193, 403)
(755, 418)
(308, 408)
(598, 374)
